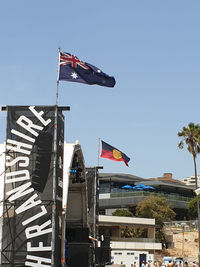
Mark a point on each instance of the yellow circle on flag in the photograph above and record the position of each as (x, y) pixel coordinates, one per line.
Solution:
(117, 154)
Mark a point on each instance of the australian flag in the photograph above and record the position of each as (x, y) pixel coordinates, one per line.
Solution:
(74, 70)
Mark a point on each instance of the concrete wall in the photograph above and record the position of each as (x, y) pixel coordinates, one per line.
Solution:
(119, 220)
(135, 245)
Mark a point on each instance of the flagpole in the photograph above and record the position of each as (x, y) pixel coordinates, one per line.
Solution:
(63, 231)
(58, 72)
(98, 152)
(54, 209)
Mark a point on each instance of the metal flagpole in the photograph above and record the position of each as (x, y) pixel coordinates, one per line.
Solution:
(58, 71)
(63, 211)
(55, 170)
(98, 152)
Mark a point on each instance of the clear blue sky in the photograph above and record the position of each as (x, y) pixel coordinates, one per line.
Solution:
(151, 47)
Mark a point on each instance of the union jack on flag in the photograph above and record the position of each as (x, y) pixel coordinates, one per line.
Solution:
(74, 70)
(66, 59)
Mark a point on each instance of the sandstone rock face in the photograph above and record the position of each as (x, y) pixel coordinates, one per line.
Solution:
(190, 247)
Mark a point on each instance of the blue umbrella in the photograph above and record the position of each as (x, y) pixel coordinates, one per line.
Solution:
(139, 186)
(150, 187)
(127, 187)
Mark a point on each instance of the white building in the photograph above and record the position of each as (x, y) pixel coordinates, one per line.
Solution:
(191, 180)
(129, 250)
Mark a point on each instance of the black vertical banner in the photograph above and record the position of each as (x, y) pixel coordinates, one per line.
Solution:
(27, 215)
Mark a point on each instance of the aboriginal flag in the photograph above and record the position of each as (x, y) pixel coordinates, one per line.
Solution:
(113, 153)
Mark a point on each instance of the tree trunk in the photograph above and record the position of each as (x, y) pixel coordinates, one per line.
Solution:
(198, 213)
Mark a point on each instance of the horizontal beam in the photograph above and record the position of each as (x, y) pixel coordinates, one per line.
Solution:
(63, 108)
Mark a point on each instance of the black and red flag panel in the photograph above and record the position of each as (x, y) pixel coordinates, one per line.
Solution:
(113, 153)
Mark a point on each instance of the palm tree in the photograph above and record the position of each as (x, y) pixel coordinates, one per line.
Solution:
(191, 137)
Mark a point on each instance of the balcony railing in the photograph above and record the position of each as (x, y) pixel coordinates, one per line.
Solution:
(171, 196)
(132, 239)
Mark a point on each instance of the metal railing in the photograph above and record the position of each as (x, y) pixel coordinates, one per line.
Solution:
(171, 196)
(134, 239)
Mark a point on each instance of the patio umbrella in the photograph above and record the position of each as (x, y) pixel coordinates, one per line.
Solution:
(150, 187)
(127, 187)
(139, 187)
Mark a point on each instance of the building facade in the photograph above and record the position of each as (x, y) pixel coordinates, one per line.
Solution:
(112, 196)
(191, 180)
(126, 246)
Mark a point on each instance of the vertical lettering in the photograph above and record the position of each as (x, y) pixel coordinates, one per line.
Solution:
(20, 191)
(38, 230)
(30, 203)
(32, 140)
(39, 116)
(40, 248)
(35, 217)
(28, 125)
(39, 261)
(25, 162)
(18, 146)
(23, 175)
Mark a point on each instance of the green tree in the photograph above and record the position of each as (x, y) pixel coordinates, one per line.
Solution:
(191, 137)
(192, 208)
(156, 207)
(120, 212)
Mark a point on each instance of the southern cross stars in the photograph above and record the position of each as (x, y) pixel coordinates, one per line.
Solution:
(74, 75)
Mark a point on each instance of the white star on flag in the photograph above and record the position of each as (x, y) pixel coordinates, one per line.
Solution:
(74, 75)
